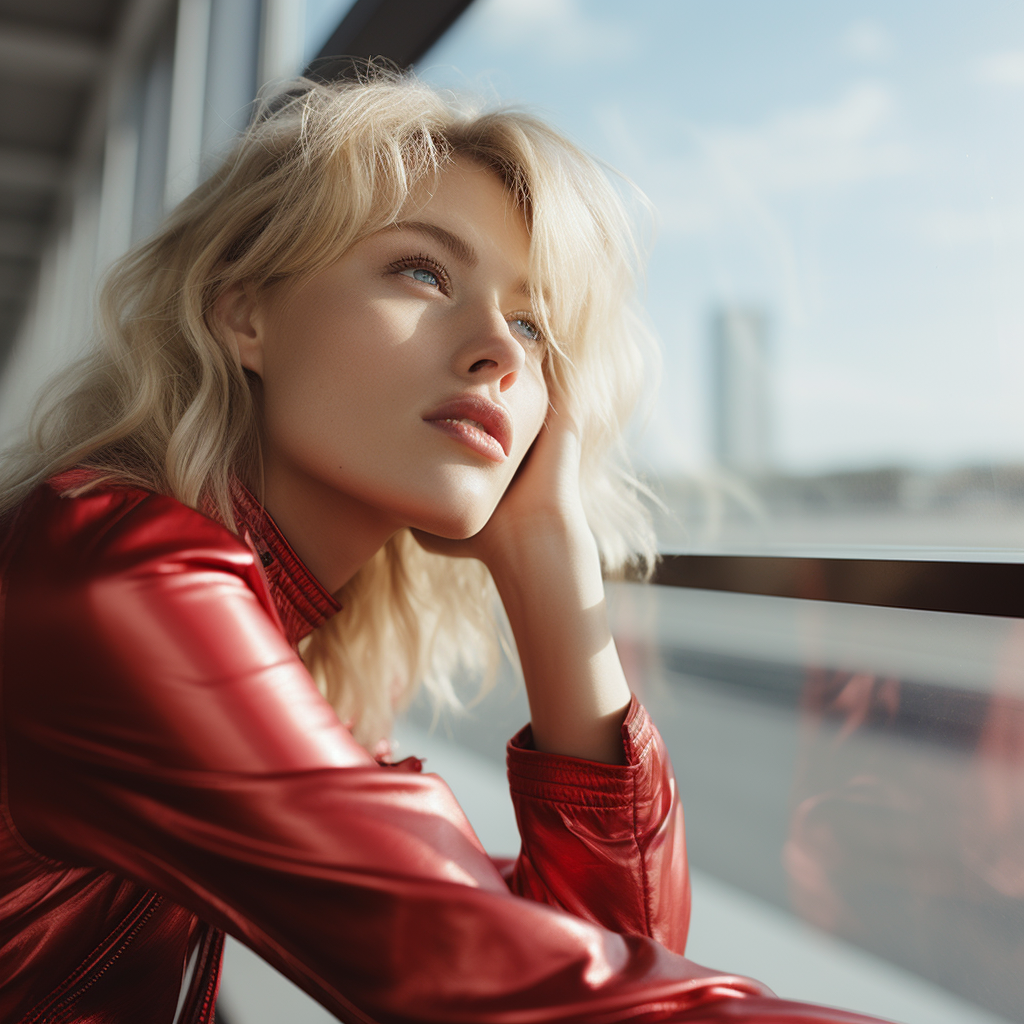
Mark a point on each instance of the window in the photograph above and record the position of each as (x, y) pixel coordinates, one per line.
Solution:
(840, 245)
(839, 441)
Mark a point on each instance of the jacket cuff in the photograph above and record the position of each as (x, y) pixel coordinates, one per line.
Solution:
(574, 780)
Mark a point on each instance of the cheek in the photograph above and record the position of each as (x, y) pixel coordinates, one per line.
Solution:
(531, 421)
(540, 405)
(320, 368)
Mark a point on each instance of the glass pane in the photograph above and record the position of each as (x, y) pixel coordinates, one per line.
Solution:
(853, 780)
(836, 276)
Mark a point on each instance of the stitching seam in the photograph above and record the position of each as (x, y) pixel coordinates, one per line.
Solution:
(126, 930)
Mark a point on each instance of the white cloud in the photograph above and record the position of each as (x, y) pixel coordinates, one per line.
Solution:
(563, 28)
(1002, 69)
(816, 147)
(720, 172)
(868, 41)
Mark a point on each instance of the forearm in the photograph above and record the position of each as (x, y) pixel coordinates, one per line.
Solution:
(553, 593)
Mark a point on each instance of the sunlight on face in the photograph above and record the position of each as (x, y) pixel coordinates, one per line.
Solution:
(407, 378)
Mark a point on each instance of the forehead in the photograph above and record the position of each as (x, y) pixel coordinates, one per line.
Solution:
(467, 193)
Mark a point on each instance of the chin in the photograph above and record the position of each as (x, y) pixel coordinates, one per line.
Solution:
(454, 527)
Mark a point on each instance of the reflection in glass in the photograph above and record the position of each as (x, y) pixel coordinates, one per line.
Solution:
(856, 768)
(863, 767)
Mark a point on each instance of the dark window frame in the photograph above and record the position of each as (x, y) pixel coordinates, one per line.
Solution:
(399, 31)
(967, 588)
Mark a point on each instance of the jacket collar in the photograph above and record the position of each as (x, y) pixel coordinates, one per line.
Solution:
(301, 601)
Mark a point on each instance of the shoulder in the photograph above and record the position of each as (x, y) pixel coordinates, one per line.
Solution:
(137, 631)
(81, 553)
(121, 577)
(77, 525)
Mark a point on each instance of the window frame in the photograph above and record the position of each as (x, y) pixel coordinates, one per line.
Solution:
(399, 31)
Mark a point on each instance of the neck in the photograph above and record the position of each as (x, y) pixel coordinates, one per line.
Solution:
(333, 533)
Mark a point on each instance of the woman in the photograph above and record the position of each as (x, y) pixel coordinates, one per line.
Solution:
(407, 329)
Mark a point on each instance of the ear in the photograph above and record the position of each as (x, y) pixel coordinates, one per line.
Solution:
(237, 322)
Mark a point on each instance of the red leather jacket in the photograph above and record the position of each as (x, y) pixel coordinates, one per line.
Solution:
(168, 771)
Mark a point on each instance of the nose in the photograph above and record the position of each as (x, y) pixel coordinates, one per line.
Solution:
(490, 351)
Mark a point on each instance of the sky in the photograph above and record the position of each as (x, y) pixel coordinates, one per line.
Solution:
(854, 169)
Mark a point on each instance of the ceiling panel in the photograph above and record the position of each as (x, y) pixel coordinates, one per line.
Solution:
(40, 117)
(35, 206)
(95, 18)
(52, 53)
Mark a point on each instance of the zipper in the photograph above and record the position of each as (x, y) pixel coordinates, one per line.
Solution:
(200, 1004)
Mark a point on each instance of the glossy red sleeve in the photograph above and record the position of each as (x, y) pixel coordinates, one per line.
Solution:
(156, 724)
(604, 842)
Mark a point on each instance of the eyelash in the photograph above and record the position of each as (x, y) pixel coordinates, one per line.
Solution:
(527, 319)
(438, 270)
(424, 262)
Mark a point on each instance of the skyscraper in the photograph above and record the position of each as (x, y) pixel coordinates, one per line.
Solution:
(741, 389)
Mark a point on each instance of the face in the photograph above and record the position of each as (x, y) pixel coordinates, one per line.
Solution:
(406, 379)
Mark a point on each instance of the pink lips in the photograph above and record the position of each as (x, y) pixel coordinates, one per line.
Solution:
(494, 440)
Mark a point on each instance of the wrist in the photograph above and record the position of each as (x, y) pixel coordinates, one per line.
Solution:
(550, 584)
(545, 545)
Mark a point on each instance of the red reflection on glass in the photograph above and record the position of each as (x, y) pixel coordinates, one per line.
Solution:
(907, 826)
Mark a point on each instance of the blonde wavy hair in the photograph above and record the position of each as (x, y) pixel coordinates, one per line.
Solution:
(162, 403)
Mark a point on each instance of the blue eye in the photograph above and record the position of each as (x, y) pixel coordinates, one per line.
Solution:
(422, 274)
(528, 330)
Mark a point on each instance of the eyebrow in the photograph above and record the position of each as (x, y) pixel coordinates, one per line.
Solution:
(458, 247)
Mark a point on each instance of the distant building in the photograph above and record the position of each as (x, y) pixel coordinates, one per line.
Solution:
(741, 395)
